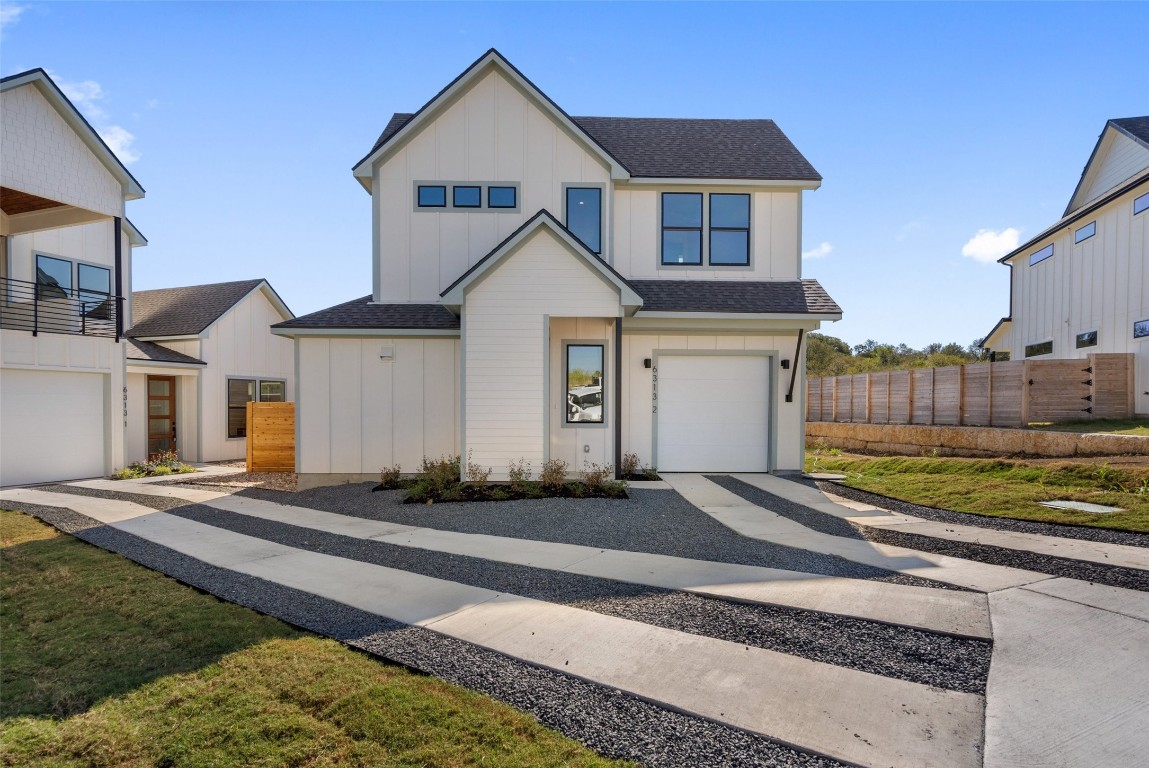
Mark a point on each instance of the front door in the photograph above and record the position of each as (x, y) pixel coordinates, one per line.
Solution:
(161, 414)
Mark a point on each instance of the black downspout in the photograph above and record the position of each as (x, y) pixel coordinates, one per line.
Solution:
(117, 233)
(618, 398)
(794, 366)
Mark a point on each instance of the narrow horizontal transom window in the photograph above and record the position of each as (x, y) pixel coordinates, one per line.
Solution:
(584, 366)
(502, 197)
(1086, 232)
(1087, 339)
(682, 228)
(1141, 204)
(432, 197)
(1141, 329)
(467, 197)
(730, 230)
(1041, 348)
(1041, 255)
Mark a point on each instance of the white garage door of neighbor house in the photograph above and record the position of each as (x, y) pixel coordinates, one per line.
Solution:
(713, 413)
(53, 426)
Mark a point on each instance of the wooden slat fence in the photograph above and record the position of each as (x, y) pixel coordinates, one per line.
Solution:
(271, 437)
(1006, 394)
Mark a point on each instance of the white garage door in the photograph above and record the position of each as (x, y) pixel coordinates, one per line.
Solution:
(51, 426)
(713, 413)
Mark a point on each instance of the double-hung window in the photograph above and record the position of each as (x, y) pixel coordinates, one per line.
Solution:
(584, 216)
(682, 228)
(240, 392)
(725, 220)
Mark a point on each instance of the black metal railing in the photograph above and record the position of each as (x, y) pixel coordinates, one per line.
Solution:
(47, 308)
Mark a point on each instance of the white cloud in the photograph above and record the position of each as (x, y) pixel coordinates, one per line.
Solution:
(88, 97)
(825, 249)
(120, 142)
(10, 14)
(989, 245)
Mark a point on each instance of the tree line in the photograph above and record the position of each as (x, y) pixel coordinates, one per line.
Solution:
(830, 356)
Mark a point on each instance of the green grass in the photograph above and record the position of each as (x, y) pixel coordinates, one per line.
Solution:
(1001, 488)
(108, 663)
(1139, 427)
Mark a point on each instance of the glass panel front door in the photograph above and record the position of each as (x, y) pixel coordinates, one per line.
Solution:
(161, 414)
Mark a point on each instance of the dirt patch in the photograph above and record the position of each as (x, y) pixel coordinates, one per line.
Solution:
(272, 481)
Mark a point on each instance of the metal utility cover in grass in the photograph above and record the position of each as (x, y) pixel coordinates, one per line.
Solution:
(1081, 506)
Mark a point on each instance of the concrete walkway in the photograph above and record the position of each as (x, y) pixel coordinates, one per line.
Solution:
(850, 715)
(962, 614)
(756, 522)
(865, 514)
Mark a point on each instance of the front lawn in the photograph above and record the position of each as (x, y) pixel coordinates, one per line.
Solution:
(1000, 487)
(108, 663)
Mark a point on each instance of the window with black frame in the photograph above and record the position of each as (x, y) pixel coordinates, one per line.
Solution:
(730, 230)
(682, 228)
(584, 216)
(584, 366)
(53, 278)
(95, 291)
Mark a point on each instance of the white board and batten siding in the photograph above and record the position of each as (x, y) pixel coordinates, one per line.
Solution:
(493, 133)
(506, 343)
(1120, 157)
(579, 443)
(771, 424)
(364, 412)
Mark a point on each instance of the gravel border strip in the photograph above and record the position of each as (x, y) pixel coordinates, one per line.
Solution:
(608, 721)
(904, 653)
(1084, 533)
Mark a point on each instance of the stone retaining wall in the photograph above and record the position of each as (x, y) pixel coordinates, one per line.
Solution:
(905, 440)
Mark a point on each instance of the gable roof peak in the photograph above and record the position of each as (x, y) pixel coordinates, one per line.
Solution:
(190, 310)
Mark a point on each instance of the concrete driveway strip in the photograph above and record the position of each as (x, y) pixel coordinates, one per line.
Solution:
(103, 510)
(963, 614)
(850, 715)
(864, 514)
(756, 522)
(1068, 684)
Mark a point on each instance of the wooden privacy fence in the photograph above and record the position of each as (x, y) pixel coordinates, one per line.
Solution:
(271, 437)
(1013, 393)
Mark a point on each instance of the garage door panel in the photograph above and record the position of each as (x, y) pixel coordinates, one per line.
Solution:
(713, 413)
(51, 426)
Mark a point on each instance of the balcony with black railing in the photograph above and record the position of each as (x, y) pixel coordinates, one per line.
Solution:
(49, 308)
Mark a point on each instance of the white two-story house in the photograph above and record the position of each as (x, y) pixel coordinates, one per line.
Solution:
(1082, 285)
(65, 277)
(574, 288)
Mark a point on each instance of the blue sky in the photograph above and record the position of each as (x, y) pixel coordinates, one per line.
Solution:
(930, 123)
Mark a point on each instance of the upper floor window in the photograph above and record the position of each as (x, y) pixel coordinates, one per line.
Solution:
(53, 277)
(1141, 204)
(1041, 348)
(1141, 329)
(1086, 232)
(502, 197)
(1041, 255)
(467, 197)
(432, 196)
(1087, 339)
(726, 220)
(584, 216)
(682, 228)
(730, 230)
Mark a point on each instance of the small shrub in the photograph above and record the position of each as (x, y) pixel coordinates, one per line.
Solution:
(389, 476)
(595, 477)
(476, 474)
(553, 475)
(629, 464)
(519, 474)
(615, 489)
(439, 474)
(185, 469)
(162, 469)
(129, 473)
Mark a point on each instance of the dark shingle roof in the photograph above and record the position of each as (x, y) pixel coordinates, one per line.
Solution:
(656, 147)
(361, 313)
(1138, 127)
(184, 311)
(739, 296)
(147, 350)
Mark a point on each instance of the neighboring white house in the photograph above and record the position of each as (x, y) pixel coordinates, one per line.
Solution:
(196, 356)
(65, 273)
(1082, 285)
(523, 258)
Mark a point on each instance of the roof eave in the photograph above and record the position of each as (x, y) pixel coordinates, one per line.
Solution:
(683, 314)
(290, 332)
(804, 184)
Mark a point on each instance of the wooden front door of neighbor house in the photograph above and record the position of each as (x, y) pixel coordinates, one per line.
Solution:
(161, 414)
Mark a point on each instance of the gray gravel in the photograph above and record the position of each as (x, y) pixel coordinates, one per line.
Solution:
(612, 723)
(1084, 533)
(655, 521)
(907, 654)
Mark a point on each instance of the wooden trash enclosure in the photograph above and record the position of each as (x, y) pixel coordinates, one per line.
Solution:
(271, 437)
(1011, 393)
